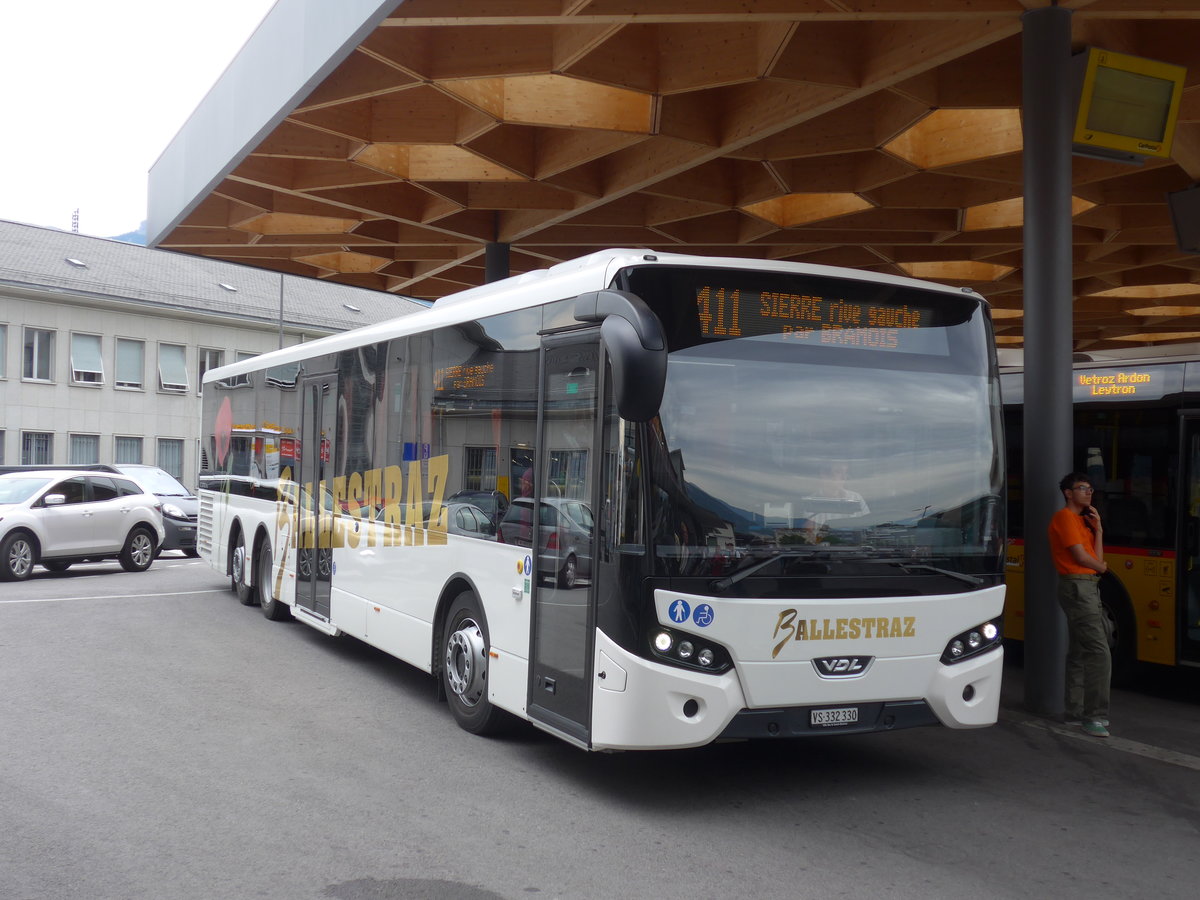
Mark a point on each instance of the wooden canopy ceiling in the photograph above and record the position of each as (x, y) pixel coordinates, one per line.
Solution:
(876, 134)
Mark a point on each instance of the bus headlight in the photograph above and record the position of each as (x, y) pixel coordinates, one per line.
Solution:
(688, 651)
(972, 642)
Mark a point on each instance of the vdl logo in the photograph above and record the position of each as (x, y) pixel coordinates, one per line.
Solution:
(842, 666)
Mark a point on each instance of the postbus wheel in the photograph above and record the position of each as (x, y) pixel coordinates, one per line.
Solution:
(464, 667)
(238, 576)
(272, 607)
(1122, 635)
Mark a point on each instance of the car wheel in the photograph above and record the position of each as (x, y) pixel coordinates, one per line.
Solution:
(17, 556)
(304, 562)
(273, 608)
(56, 565)
(139, 550)
(569, 572)
(464, 668)
(238, 574)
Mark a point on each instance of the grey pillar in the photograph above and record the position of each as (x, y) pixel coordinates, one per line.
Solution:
(1048, 111)
(495, 261)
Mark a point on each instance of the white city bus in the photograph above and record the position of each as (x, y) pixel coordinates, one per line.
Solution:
(641, 500)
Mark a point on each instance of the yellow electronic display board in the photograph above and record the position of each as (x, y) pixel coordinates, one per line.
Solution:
(1127, 104)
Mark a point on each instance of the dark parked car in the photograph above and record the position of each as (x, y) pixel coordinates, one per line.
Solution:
(565, 542)
(55, 518)
(180, 508)
(461, 518)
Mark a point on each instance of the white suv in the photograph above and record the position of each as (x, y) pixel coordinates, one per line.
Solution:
(59, 517)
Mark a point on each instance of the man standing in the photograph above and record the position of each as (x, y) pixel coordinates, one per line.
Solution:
(1077, 546)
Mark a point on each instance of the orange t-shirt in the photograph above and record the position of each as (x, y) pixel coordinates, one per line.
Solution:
(1066, 530)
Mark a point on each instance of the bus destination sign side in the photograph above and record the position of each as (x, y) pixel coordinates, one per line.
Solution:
(731, 313)
(1133, 383)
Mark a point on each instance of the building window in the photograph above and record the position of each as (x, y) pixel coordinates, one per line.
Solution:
(170, 456)
(37, 448)
(480, 474)
(172, 368)
(84, 450)
(39, 355)
(2, 442)
(87, 367)
(128, 450)
(209, 359)
(131, 363)
(243, 379)
(3, 353)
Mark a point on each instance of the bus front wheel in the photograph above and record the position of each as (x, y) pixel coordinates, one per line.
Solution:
(464, 667)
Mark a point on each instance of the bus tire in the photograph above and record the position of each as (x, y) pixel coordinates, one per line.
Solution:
(237, 573)
(139, 550)
(464, 667)
(272, 607)
(1122, 640)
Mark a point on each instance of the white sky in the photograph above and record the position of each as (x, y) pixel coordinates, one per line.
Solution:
(91, 93)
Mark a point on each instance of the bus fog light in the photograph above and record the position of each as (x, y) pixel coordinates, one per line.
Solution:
(956, 648)
(705, 657)
(974, 640)
(990, 631)
(686, 650)
(662, 642)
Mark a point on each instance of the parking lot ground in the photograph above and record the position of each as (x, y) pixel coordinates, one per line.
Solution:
(1157, 715)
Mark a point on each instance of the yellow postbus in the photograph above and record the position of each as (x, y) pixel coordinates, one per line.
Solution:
(1137, 437)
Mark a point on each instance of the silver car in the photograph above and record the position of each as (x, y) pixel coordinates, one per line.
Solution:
(55, 518)
(565, 542)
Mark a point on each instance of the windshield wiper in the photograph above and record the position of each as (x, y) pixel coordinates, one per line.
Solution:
(957, 576)
(812, 552)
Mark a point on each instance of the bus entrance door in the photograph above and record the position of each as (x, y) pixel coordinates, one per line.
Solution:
(314, 544)
(1188, 593)
(566, 485)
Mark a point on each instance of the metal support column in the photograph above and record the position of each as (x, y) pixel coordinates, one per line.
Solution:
(495, 261)
(1048, 113)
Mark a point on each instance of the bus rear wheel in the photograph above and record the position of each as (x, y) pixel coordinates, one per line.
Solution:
(239, 578)
(464, 667)
(272, 607)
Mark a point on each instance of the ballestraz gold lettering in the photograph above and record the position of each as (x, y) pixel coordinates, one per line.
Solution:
(793, 629)
(377, 508)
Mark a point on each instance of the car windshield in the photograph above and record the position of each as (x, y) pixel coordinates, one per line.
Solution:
(20, 489)
(158, 481)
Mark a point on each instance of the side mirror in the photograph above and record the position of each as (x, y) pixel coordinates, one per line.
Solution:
(636, 346)
(54, 500)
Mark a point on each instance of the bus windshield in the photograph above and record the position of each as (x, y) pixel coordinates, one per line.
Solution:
(776, 449)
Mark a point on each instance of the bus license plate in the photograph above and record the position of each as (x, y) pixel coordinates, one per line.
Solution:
(843, 715)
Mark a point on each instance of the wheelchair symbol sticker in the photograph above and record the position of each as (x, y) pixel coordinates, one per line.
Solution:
(704, 615)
